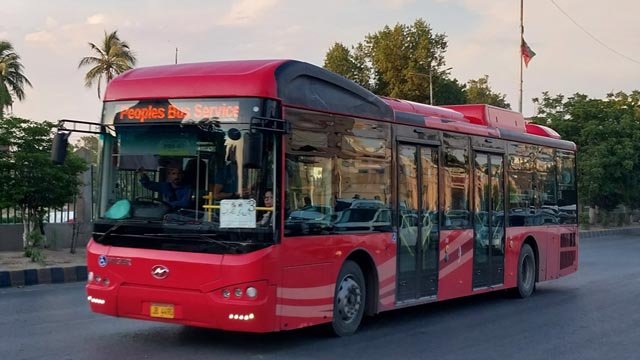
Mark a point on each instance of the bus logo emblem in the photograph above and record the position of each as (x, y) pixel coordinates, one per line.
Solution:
(160, 272)
(102, 261)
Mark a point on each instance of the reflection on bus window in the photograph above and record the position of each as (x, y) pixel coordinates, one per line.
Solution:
(337, 182)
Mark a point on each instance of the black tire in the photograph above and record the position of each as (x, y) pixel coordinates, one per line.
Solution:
(526, 272)
(349, 300)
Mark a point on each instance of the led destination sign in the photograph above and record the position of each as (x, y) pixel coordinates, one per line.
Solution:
(176, 111)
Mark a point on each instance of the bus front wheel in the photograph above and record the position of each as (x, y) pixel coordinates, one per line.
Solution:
(526, 272)
(349, 299)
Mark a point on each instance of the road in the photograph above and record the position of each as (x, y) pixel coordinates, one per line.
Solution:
(593, 314)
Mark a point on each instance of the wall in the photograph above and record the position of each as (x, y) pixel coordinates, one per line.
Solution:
(58, 236)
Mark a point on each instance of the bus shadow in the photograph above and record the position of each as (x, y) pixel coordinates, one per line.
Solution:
(441, 318)
(378, 326)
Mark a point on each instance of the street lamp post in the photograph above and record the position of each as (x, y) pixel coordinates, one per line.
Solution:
(431, 82)
(430, 87)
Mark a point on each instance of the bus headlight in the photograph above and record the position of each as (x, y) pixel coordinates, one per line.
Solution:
(252, 292)
(237, 292)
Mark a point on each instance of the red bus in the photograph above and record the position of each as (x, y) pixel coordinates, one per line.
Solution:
(378, 203)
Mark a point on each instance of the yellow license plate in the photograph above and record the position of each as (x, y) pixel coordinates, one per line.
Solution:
(162, 311)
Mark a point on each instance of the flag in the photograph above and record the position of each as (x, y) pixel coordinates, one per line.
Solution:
(527, 53)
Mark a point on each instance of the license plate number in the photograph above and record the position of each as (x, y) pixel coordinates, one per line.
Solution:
(162, 311)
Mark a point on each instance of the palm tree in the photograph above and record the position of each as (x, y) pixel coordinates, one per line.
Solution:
(12, 80)
(113, 58)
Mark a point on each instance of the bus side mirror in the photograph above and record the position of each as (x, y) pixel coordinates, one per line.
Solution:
(59, 148)
(253, 150)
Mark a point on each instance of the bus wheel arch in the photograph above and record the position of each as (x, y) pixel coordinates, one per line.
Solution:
(354, 293)
(527, 269)
(531, 241)
(349, 299)
(369, 270)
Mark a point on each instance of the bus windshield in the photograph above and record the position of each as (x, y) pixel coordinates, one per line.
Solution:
(185, 173)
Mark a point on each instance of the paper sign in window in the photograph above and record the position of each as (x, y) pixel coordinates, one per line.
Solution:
(238, 213)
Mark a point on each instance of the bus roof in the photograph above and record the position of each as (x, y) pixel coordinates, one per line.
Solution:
(293, 82)
(307, 86)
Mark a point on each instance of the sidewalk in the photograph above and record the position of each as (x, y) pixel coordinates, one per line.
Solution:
(61, 266)
(601, 232)
(57, 267)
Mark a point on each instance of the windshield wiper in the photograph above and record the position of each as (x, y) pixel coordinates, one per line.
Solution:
(207, 238)
(109, 232)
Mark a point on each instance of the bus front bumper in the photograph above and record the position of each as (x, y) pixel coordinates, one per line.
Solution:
(190, 307)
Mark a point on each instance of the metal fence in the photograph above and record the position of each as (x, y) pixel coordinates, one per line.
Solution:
(127, 187)
(65, 214)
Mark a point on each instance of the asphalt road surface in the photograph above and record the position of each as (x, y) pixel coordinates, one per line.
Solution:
(593, 314)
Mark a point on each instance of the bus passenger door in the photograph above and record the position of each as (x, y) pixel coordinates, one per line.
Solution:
(417, 258)
(489, 221)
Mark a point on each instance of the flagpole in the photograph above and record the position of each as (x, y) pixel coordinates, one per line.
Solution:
(520, 51)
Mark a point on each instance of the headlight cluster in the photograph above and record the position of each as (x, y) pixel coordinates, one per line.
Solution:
(240, 292)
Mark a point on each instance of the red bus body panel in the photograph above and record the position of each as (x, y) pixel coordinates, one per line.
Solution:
(194, 286)
(297, 290)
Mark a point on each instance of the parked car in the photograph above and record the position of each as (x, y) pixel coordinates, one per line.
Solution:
(311, 212)
(363, 220)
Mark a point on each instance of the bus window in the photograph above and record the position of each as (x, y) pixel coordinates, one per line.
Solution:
(456, 183)
(337, 181)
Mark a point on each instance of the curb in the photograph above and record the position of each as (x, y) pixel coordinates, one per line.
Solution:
(54, 275)
(607, 232)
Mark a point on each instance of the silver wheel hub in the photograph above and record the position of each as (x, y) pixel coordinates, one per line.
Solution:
(349, 299)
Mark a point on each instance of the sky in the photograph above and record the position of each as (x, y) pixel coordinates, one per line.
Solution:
(483, 39)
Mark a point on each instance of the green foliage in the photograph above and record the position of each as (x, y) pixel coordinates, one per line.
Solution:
(28, 178)
(449, 91)
(607, 132)
(584, 220)
(112, 58)
(91, 143)
(12, 79)
(351, 64)
(396, 62)
(479, 92)
(403, 61)
(35, 247)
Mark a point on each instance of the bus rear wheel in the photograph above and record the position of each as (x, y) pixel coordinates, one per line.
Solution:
(526, 273)
(349, 300)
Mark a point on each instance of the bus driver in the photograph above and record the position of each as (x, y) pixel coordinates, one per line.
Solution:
(174, 192)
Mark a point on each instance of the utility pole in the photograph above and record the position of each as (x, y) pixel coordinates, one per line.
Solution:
(520, 51)
(431, 81)
(430, 84)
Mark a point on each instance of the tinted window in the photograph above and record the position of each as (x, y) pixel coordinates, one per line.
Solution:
(522, 192)
(456, 182)
(567, 195)
(338, 174)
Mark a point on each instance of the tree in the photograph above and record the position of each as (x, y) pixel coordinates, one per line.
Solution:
(402, 57)
(112, 59)
(12, 78)
(607, 132)
(479, 92)
(28, 178)
(396, 62)
(449, 91)
(351, 65)
(92, 144)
